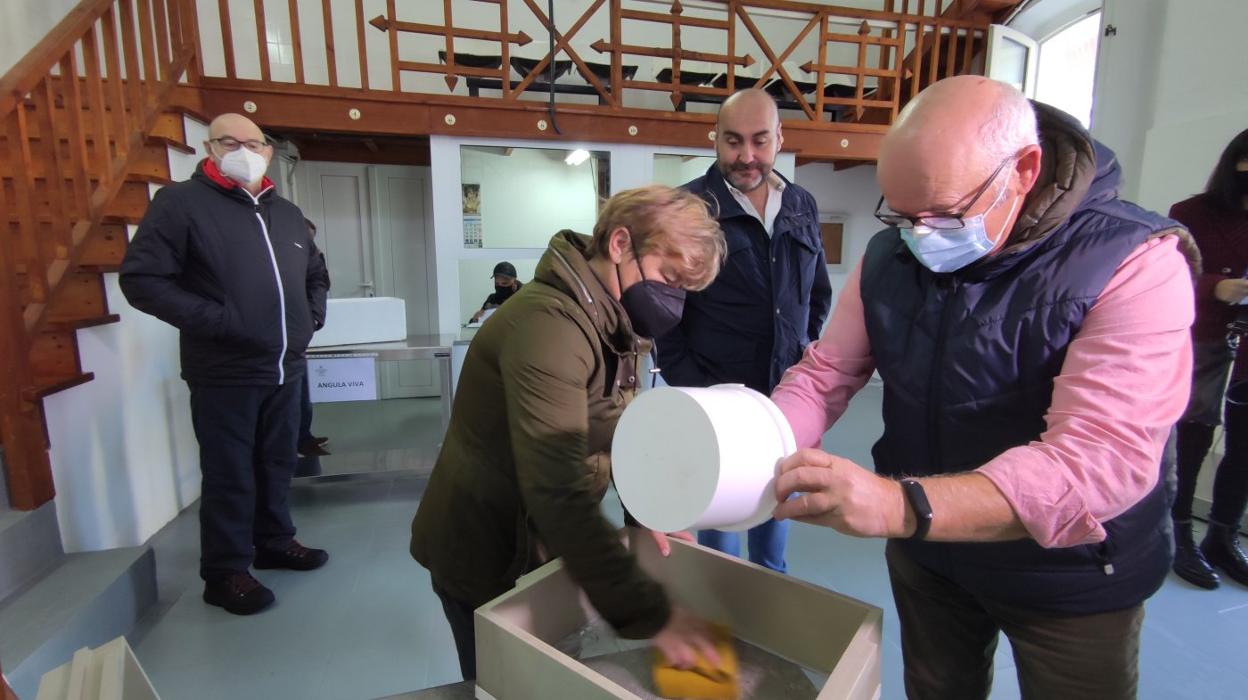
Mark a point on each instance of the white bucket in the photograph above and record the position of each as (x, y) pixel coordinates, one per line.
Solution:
(692, 458)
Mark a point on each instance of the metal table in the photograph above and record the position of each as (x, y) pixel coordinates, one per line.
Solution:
(414, 347)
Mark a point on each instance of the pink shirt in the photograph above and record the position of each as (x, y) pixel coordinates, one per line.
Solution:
(1124, 383)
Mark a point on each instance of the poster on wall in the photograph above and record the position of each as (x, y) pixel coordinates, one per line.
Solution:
(343, 378)
(472, 215)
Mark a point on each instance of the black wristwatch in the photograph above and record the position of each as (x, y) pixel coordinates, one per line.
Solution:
(917, 498)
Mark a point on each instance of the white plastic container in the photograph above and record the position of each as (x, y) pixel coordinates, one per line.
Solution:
(696, 458)
(362, 320)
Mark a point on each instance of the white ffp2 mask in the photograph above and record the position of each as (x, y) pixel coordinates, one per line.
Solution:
(243, 166)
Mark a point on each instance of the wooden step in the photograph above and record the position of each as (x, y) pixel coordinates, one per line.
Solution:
(54, 356)
(150, 159)
(82, 297)
(47, 386)
(105, 247)
(80, 323)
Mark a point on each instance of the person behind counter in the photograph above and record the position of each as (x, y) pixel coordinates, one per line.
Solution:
(526, 458)
(506, 284)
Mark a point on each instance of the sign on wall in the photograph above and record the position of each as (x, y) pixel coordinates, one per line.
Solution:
(343, 378)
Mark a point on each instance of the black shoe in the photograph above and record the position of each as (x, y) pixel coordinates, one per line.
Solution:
(295, 556)
(312, 448)
(320, 440)
(240, 594)
(1189, 563)
(1221, 550)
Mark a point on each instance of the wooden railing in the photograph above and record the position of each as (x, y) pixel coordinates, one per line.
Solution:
(73, 115)
(845, 65)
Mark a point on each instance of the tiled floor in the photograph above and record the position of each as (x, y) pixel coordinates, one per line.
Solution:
(367, 625)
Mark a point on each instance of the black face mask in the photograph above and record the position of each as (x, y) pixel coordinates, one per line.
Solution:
(653, 307)
(503, 292)
(1241, 176)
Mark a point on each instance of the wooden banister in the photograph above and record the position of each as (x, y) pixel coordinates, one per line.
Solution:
(38, 62)
(75, 113)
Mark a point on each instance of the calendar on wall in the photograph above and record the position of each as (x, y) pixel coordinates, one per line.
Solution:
(472, 231)
(472, 215)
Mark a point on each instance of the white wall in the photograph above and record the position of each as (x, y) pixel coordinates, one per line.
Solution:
(1201, 101)
(23, 23)
(850, 196)
(124, 457)
(674, 171)
(1170, 92)
(529, 195)
(632, 165)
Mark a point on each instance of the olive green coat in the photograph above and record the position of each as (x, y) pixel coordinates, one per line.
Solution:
(526, 460)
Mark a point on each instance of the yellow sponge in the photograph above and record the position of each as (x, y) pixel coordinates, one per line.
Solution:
(703, 681)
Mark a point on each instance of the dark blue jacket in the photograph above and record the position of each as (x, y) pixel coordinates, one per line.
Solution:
(768, 302)
(238, 276)
(968, 361)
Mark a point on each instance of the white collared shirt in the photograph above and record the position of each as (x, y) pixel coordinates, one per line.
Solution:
(775, 186)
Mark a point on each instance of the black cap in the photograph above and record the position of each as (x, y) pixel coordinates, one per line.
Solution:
(505, 268)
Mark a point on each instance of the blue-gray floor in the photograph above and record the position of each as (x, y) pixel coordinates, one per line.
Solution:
(367, 625)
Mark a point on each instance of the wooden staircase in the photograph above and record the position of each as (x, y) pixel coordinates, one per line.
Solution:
(87, 124)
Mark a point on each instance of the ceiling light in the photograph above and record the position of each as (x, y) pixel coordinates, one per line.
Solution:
(577, 157)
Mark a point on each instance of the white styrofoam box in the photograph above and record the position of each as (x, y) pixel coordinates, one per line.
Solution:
(519, 633)
(363, 320)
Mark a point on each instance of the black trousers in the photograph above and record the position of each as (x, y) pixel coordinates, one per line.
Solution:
(1230, 483)
(948, 638)
(305, 411)
(246, 440)
(459, 616)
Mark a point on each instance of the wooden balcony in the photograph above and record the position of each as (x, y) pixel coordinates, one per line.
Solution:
(607, 71)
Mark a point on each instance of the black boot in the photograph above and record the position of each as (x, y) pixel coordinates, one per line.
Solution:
(1189, 563)
(1221, 549)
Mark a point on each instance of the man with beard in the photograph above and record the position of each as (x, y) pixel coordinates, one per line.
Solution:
(773, 293)
(505, 285)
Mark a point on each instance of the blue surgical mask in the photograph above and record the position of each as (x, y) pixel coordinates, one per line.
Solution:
(949, 250)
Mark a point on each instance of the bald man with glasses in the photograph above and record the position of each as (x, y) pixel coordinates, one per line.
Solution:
(1031, 329)
(231, 265)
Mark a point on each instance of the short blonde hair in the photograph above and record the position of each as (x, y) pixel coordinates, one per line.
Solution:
(676, 223)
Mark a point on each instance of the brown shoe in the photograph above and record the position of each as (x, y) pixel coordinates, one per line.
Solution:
(295, 556)
(240, 594)
(312, 448)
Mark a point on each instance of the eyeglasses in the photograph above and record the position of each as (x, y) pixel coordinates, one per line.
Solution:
(947, 221)
(231, 144)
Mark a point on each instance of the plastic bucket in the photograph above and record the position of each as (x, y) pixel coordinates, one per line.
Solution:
(696, 458)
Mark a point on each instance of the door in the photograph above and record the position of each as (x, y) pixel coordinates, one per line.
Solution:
(404, 261)
(1013, 58)
(335, 196)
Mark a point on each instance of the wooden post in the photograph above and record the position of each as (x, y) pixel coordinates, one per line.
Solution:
(295, 40)
(363, 45)
(262, 38)
(392, 11)
(112, 64)
(331, 61)
(227, 37)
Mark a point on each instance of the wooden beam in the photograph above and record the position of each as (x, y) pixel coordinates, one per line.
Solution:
(660, 18)
(685, 55)
(322, 109)
(384, 24)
